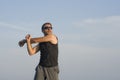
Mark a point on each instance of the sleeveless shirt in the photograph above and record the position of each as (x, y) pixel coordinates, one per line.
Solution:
(49, 54)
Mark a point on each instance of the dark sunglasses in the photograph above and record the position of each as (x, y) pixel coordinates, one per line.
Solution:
(46, 27)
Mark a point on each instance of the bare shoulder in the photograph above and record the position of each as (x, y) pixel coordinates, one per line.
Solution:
(54, 39)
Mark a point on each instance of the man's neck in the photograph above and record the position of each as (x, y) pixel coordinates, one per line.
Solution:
(47, 34)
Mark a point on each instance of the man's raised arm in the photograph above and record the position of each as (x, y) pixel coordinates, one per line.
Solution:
(36, 40)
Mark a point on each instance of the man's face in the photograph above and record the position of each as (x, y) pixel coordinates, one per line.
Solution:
(47, 29)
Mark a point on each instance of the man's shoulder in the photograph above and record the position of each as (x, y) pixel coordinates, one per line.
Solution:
(55, 39)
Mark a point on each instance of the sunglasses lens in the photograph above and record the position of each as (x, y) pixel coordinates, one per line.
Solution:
(47, 27)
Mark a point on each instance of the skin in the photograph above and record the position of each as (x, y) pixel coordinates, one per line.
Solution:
(48, 37)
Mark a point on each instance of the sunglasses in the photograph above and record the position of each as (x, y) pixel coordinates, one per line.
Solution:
(46, 27)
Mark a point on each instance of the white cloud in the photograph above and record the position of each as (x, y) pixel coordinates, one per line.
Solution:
(12, 26)
(103, 32)
(112, 21)
(105, 26)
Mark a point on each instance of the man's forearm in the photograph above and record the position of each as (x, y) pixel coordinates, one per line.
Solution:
(31, 41)
(29, 48)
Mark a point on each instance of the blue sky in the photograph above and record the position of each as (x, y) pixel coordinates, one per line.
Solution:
(88, 32)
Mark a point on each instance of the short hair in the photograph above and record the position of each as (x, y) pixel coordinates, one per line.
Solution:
(45, 24)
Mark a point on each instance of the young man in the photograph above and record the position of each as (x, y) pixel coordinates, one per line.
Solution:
(47, 68)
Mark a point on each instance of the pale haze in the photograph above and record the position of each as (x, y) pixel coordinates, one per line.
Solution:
(88, 33)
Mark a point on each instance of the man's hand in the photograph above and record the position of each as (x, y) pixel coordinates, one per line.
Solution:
(28, 37)
(22, 42)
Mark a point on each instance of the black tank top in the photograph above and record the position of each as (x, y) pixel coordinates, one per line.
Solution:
(49, 54)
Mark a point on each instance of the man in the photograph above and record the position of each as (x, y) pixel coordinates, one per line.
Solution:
(47, 68)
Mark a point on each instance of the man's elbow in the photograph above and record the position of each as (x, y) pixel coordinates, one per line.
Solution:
(31, 53)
